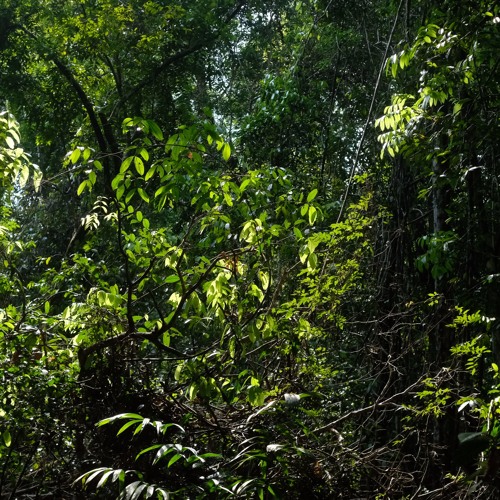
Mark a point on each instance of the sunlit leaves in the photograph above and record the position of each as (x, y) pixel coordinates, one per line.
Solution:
(7, 437)
(126, 164)
(139, 165)
(312, 214)
(14, 163)
(256, 396)
(75, 155)
(142, 193)
(201, 261)
(139, 422)
(312, 195)
(105, 474)
(142, 125)
(250, 230)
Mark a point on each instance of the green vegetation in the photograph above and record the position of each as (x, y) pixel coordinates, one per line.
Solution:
(249, 249)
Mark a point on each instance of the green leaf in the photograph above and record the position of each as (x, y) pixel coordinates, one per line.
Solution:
(457, 108)
(174, 459)
(7, 438)
(139, 165)
(312, 195)
(117, 181)
(303, 254)
(24, 175)
(178, 371)
(120, 191)
(143, 194)
(75, 155)
(211, 455)
(146, 450)
(394, 69)
(130, 195)
(173, 278)
(120, 416)
(37, 180)
(127, 122)
(244, 486)
(163, 451)
(10, 142)
(313, 213)
(193, 391)
(134, 490)
(155, 130)
(86, 154)
(81, 187)
(312, 243)
(150, 173)
(104, 478)
(126, 164)
(141, 427)
(95, 473)
(248, 233)
(226, 151)
(124, 427)
(144, 153)
(312, 261)
(256, 396)
(228, 199)
(166, 339)
(264, 278)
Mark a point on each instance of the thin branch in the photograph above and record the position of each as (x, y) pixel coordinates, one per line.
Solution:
(374, 406)
(368, 118)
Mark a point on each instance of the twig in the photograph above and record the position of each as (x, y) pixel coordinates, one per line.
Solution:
(374, 406)
(368, 118)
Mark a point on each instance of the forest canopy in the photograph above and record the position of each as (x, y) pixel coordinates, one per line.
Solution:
(249, 249)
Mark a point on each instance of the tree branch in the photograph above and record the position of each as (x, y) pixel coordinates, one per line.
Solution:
(374, 406)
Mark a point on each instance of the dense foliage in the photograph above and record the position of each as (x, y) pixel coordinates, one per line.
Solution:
(249, 249)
